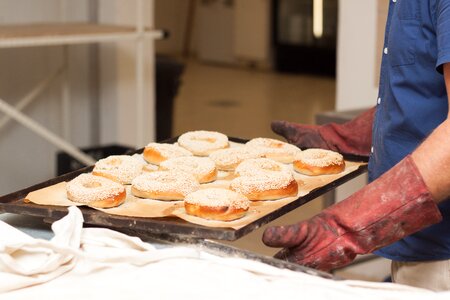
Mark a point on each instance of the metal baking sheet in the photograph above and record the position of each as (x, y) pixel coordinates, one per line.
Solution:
(14, 203)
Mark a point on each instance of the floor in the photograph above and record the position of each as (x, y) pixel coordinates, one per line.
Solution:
(242, 103)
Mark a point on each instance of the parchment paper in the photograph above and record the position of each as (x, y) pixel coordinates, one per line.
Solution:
(137, 207)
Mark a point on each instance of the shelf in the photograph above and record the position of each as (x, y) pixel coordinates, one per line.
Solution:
(64, 34)
(47, 34)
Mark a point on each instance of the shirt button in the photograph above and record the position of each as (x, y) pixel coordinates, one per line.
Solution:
(371, 149)
(378, 100)
(394, 1)
(385, 50)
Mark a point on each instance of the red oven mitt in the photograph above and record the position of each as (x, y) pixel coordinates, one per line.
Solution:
(395, 205)
(353, 137)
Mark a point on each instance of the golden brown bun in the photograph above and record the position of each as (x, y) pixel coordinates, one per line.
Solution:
(150, 168)
(274, 149)
(118, 168)
(204, 178)
(291, 190)
(227, 168)
(104, 203)
(222, 213)
(203, 143)
(228, 159)
(311, 170)
(95, 191)
(165, 196)
(211, 176)
(206, 153)
(153, 156)
(106, 175)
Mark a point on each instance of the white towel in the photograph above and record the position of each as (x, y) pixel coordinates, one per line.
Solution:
(96, 263)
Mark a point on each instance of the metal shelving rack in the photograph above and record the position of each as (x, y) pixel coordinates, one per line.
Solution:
(66, 34)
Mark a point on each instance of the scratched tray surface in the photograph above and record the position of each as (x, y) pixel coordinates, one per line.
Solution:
(14, 203)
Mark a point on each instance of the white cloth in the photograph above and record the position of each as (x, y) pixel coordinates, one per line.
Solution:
(103, 264)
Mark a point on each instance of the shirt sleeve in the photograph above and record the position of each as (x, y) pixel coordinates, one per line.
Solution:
(443, 33)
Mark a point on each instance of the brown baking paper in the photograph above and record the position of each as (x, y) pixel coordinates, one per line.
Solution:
(138, 207)
(132, 207)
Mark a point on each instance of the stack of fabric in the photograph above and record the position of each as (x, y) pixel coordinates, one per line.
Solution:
(80, 263)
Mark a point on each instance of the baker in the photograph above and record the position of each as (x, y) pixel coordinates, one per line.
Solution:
(403, 213)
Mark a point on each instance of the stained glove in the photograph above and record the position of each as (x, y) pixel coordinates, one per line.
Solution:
(353, 137)
(395, 205)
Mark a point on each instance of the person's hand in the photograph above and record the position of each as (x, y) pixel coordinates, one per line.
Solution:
(303, 136)
(395, 205)
(353, 137)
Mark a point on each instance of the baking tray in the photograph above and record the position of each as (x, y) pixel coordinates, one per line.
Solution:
(14, 203)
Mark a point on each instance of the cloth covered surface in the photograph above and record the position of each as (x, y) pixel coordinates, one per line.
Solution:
(80, 263)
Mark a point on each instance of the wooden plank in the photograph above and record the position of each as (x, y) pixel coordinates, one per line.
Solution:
(53, 34)
(59, 29)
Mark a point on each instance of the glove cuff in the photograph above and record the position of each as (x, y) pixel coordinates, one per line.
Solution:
(353, 137)
(394, 206)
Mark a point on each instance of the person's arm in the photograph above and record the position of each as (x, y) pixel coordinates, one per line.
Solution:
(432, 157)
(399, 203)
(352, 137)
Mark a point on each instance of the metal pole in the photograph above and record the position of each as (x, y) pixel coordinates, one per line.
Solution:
(45, 133)
(31, 96)
(65, 99)
(140, 105)
(94, 77)
(65, 87)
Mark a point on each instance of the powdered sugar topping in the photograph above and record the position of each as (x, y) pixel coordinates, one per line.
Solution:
(150, 168)
(169, 150)
(252, 166)
(262, 181)
(275, 149)
(197, 166)
(228, 159)
(218, 197)
(319, 157)
(166, 181)
(122, 167)
(86, 188)
(203, 142)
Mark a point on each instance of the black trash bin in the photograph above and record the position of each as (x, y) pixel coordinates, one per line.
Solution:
(168, 80)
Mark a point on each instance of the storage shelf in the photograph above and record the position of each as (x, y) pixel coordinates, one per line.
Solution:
(70, 33)
(47, 34)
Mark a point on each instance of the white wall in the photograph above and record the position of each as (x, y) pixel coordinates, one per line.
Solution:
(356, 63)
(172, 15)
(118, 78)
(228, 32)
(25, 158)
(253, 27)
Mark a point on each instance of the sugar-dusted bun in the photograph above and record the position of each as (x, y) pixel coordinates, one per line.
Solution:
(216, 204)
(150, 168)
(203, 143)
(228, 159)
(203, 168)
(252, 166)
(319, 162)
(95, 191)
(164, 185)
(120, 168)
(155, 153)
(266, 185)
(275, 149)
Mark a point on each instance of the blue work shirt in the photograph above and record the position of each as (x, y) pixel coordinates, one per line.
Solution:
(412, 102)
